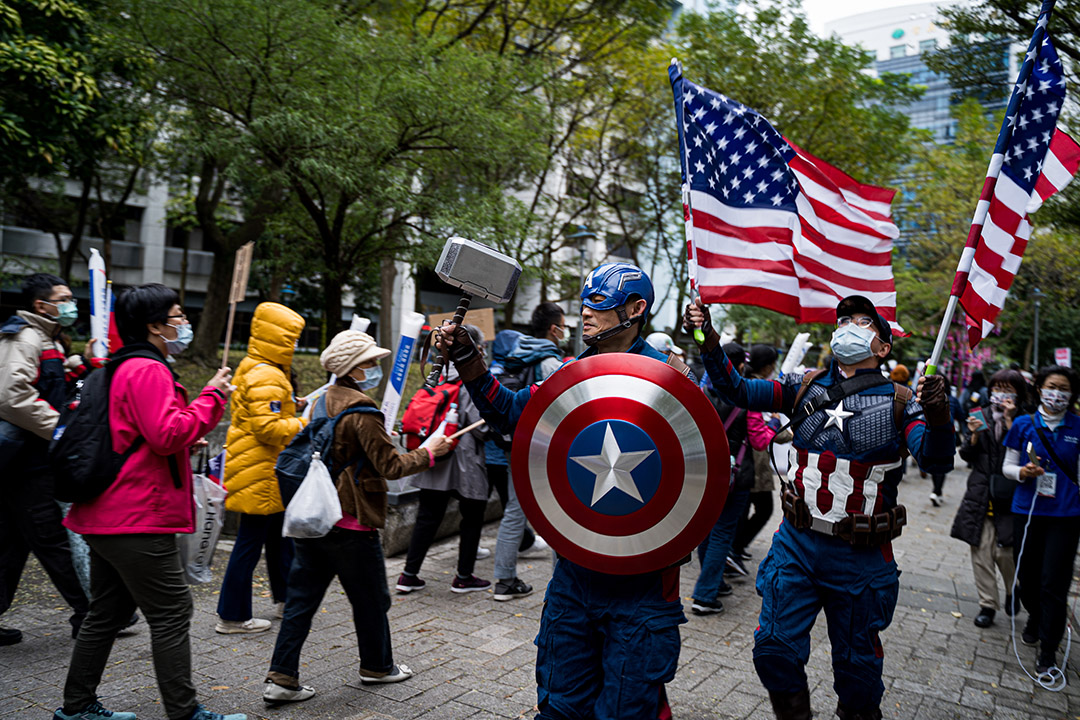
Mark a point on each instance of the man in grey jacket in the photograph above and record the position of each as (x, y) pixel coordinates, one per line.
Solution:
(33, 386)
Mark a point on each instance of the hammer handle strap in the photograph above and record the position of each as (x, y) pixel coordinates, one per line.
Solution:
(439, 363)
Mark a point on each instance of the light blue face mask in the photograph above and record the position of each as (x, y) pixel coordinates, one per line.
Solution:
(184, 334)
(68, 312)
(372, 378)
(851, 344)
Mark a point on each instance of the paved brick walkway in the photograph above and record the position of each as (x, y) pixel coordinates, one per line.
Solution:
(474, 657)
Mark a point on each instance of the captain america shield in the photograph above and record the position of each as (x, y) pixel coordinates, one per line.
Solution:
(621, 463)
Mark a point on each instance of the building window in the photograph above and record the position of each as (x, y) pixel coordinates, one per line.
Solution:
(897, 51)
(926, 46)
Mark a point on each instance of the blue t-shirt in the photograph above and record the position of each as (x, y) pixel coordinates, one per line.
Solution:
(1066, 441)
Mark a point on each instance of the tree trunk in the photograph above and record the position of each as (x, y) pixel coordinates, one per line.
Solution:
(387, 275)
(204, 346)
(67, 255)
(332, 292)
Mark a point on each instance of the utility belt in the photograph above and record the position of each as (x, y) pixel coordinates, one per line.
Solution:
(856, 529)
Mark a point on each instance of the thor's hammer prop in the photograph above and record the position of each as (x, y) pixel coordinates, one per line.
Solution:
(475, 269)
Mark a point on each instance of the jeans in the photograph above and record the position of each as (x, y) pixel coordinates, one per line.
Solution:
(234, 602)
(511, 529)
(1045, 572)
(30, 521)
(499, 479)
(129, 572)
(356, 558)
(428, 518)
(751, 525)
(938, 480)
(714, 549)
(607, 644)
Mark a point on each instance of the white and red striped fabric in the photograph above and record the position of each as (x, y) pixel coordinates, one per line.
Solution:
(1032, 161)
(770, 225)
(838, 243)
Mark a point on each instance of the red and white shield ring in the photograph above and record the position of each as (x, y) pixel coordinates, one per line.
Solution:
(621, 463)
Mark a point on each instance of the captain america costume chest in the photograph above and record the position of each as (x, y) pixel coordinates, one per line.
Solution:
(846, 457)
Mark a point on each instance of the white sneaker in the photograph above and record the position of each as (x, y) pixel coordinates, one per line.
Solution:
(396, 674)
(274, 694)
(935, 499)
(279, 610)
(231, 627)
(482, 553)
(539, 548)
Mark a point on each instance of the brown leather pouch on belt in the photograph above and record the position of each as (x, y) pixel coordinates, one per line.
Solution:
(796, 511)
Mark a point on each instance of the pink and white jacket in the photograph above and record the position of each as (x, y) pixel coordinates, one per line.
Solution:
(146, 400)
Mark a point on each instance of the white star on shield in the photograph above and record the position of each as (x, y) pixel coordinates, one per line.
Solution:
(837, 416)
(613, 468)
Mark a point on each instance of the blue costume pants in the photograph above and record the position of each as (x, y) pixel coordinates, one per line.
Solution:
(804, 573)
(607, 644)
(715, 548)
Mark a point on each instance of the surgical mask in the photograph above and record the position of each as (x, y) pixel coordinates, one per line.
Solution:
(851, 344)
(1055, 401)
(997, 399)
(372, 378)
(183, 339)
(68, 312)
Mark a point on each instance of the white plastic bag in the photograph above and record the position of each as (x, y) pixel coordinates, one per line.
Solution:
(197, 549)
(315, 507)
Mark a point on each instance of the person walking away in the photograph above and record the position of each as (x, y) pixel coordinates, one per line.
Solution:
(1046, 508)
(264, 422)
(34, 383)
(985, 520)
(352, 551)
(519, 361)
(463, 476)
(131, 527)
(833, 551)
(761, 429)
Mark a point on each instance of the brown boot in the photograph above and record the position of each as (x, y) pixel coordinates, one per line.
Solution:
(791, 706)
(846, 713)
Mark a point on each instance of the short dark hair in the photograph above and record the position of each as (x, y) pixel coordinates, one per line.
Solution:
(1014, 379)
(544, 316)
(736, 354)
(1049, 370)
(762, 356)
(38, 286)
(139, 306)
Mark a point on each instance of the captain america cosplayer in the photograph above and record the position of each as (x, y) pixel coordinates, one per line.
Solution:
(607, 643)
(833, 550)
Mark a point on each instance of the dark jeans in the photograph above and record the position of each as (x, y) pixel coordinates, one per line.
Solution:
(714, 549)
(939, 482)
(430, 516)
(356, 558)
(750, 525)
(1045, 572)
(234, 602)
(31, 521)
(129, 572)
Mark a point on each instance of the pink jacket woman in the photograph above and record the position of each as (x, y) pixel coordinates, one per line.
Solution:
(145, 399)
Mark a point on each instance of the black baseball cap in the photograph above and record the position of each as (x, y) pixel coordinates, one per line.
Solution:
(853, 304)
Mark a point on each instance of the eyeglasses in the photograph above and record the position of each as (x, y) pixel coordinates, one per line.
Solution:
(864, 321)
(181, 316)
(61, 301)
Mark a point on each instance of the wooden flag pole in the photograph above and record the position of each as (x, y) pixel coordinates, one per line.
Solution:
(464, 430)
(241, 270)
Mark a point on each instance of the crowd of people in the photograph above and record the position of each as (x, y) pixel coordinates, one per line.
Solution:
(607, 644)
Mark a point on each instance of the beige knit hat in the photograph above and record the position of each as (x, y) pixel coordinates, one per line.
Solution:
(348, 349)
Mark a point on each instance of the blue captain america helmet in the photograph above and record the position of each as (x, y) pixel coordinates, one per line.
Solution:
(617, 283)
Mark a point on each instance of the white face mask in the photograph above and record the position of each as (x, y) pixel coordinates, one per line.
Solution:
(851, 344)
(1055, 401)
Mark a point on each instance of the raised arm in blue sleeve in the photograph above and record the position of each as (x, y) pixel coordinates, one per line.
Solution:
(499, 406)
(768, 395)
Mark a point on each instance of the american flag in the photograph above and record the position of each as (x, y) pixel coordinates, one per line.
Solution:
(1032, 161)
(770, 225)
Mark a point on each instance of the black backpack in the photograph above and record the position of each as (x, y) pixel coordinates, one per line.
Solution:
(81, 453)
(316, 437)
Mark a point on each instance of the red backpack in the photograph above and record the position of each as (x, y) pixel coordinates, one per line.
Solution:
(426, 410)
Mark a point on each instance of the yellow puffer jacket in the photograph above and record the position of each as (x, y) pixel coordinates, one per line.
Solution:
(263, 412)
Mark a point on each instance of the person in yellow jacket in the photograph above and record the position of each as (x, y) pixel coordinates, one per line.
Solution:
(265, 418)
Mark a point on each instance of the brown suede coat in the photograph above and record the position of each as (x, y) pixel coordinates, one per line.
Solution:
(364, 496)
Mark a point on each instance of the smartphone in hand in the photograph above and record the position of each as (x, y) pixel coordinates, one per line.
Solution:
(1032, 457)
(977, 413)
